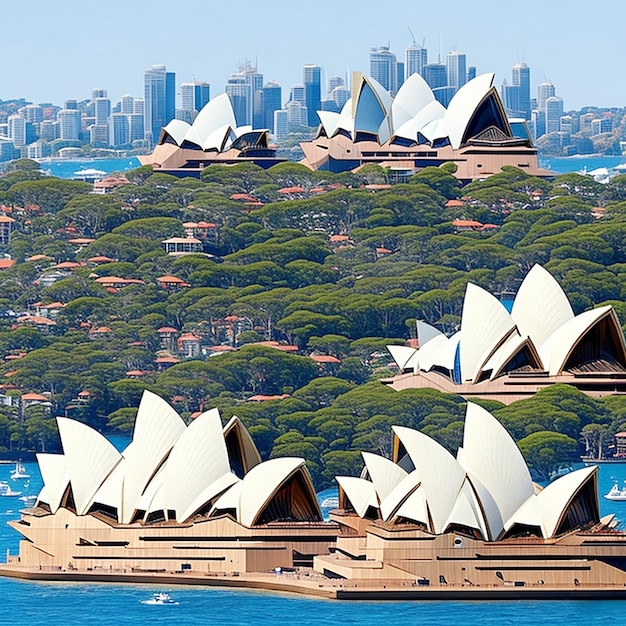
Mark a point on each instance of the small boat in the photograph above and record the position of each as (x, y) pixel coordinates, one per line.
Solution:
(616, 493)
(29, 499)
(331, 502)
(5, 490)
(160, 598)
(19, 472)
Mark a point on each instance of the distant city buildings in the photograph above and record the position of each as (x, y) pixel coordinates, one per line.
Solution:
(37, 130)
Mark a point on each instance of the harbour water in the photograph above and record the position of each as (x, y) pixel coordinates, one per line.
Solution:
(70, 604)
(66, 168)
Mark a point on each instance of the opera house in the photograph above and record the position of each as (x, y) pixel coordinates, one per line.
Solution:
(405, 133)
(185, 149)
(511, 354)
(414, 130)
(475, 521)
(192, 499)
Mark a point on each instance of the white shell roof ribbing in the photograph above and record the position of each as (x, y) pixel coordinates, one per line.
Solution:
(438, 351)
(329, 120)
(384, 473)
(491, 513)
(490, 453)
(467, 512)
(399, 495)
(540, 306)
(426, 332)
(212, 491)
(198, 458)
(485, 323)
(55, 478)
(154, 498)
(415, 507)
(402, 355)
(507, 351)
(261, 482)
(177, 129)
(413, 96)
(229, 500)
(157, 428)
(360, 492)
(554, 499)
(249, 450)
(216, 139)
(439, 471)
(215, 114)
(89, 458)
(463, 105)
(110, 492)
(557, 348)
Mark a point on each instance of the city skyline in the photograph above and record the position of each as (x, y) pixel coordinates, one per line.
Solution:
(74, 59)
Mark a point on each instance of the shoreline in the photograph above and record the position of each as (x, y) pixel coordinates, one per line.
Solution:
(315, 585)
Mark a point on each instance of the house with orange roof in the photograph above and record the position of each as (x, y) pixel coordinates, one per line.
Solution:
(188, 345)
(178, 246)
(171, 283)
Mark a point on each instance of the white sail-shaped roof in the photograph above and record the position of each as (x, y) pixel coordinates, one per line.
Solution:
(467, 511)
(485, 324)
(552, 502)
(247, 449)
(89, 459)
(157, 428)
(110, 492)
(360, 492)
(261, 483)
(211, 492)
(177, 129)
(509, 349)
(412, 97)
(540, 306)
(346, 121)
(403, 355)
(558, 347)
(463, 105)
(198, 458)
(438, 351)
(384, 473)
(439, 471)
(216, 139)
(229, 500)
(429, 116)
(330, 121)
(399, 494)
(414, 508)
(217, 113)
(55, 478)
(490, 454)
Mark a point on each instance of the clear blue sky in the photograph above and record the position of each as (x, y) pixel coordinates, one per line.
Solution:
(53, 51)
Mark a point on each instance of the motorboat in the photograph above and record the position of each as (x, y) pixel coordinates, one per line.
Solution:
(160, 598)
(616, 493)
(19, 473)
(29, 499)
(5, 490)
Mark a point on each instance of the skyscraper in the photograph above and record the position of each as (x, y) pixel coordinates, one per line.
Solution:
(272, 101)
(435, 75)
(456, 68)
(544, 91)
(521, 78)
(384, 68)
(416, 57)
(553, 112)
(194, 95)
(160, 100)
(241, 87)
(312, 79)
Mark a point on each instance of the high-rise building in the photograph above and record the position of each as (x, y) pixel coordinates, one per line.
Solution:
(335, 81)
(312, 79)
(553, 113)
(119, 128)
(194, 95)
(33, 113)
(544, 91)
(298, 94)
(160, 100)
(511, 99)
(415, 58)
(102, 110)
(127, 104)
(521, 79)
(281, 124)
(384, 68)
(436, 75)
(272, 101)
(242, 87)
(69, 124)
(17, 130)
(456, 68)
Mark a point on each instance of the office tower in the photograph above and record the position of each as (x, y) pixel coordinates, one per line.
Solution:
(99, 135)
(415, 58)
(136, 124)
(17, 130)
(456, 68)
(119, 129)
(297, 94)
(127, 104)
(471, 73)
(312, 79)
(33, 113)
(71, 105)
(566, 125)
(281, 124)
(510, 95)
(399, 75)
(186, 115)
(443, 95)
(69, 124)
(241, 87)
(435, 74)
(340, 95)
(544, 91)
(98, 93)
(272, 101)
(297, 114)
(160, 100)
(384, 68)
(335, 81)
(554, 112)
(521, 79)
(102, 110)
(194, 95)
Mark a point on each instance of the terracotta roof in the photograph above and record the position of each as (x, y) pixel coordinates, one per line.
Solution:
(325, 358)
(166, 329)
(35, 397)
(5, 264)
(261, 398)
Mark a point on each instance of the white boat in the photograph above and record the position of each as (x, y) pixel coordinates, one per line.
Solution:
(19, 472)
(616, 493)
(5, 490)
(160, 598)
(29, 500)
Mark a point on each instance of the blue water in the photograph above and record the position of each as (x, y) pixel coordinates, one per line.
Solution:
(69, 604)
(66, 168)
(564, 165)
